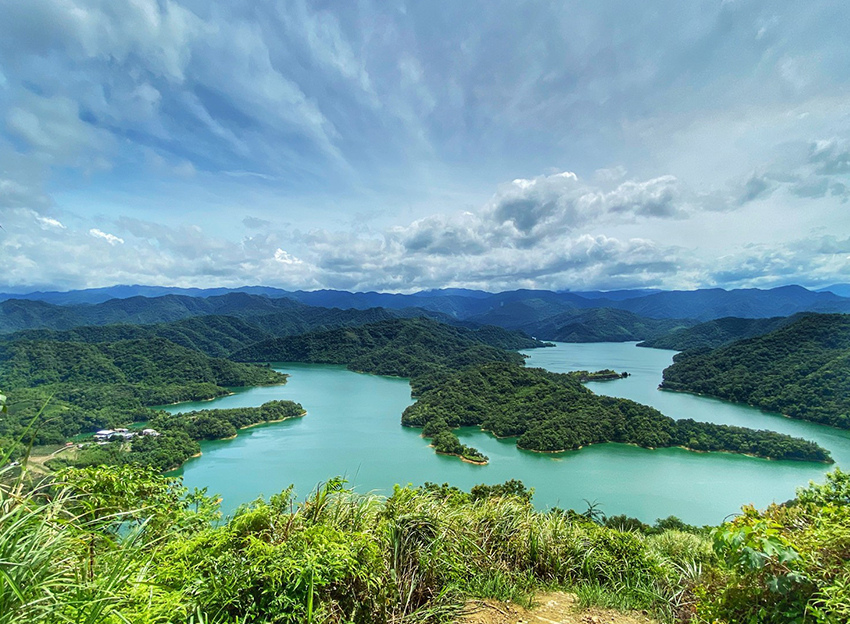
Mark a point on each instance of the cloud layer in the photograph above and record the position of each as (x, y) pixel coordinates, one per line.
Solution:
(398, 146)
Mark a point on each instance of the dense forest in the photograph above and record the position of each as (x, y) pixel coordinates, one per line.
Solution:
(122, 544)
(717, 333)
(801, 370)
(401, 347)
(567, 316)
(273, 316)
(221, 335)
(84, 387)
(554, 412)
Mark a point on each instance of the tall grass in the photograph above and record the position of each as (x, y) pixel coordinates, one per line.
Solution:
(337, 557)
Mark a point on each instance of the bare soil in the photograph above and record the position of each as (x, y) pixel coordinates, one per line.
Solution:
(550, 608)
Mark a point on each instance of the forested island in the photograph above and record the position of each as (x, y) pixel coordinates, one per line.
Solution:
(553, 412)
(801, 370)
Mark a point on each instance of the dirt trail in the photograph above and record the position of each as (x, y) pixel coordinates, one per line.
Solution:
(551, 608)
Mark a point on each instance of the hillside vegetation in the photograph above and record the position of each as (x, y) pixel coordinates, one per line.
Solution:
(178, 436)
(554, 412)
(542, 313)
(717, 333)
(84, 387)
(801, 370)
(121, 544)
(401, 347)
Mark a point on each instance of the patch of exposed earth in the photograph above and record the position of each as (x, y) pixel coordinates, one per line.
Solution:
(550, 608)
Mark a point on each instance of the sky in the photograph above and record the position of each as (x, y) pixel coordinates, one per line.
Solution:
(400, 146)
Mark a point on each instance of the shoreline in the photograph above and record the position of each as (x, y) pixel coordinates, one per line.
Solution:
(827, 462)
(267, 422)
(704, 395)
(236, 435)
(220, 396)
(462, 458)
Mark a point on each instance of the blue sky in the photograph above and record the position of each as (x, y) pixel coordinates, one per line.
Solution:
(408, 145)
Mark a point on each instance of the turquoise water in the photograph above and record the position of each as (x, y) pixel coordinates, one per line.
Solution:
(353, 429)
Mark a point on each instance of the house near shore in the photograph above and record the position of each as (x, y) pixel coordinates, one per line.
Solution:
(105, 435)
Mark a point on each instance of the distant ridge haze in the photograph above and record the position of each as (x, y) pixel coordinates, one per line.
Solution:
(532, 311)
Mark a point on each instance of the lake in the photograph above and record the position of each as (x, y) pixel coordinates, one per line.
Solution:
(353, 429)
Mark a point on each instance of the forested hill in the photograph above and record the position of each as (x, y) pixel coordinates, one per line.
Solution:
(717, 333)
(85, 387)
(801, 370)
(544, 313)
(403, 347)
(278, 317)
(151, 362)
(554, 412)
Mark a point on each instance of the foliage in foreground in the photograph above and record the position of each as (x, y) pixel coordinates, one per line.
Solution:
(787, 564)
(119, 544)
(113, 544)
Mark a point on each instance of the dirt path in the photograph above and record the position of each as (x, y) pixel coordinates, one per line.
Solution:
(551, 608)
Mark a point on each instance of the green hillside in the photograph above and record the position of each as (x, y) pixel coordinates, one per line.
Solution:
(216, 336)
(86, 387)
(151, 362)
(402, 347)
(717, 333)
(554, 412)
(801, 370)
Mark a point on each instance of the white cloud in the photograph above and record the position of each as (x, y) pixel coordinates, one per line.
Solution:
(109, 238)
(286, 258)
(50, 222)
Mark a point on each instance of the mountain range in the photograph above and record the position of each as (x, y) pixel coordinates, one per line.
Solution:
(565, 316)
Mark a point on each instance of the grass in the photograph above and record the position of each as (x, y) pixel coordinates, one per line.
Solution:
(141, 550)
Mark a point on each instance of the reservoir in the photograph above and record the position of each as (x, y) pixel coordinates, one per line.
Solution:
(352, 429)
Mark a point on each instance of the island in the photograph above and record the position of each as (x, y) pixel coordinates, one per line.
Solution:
(554, 412)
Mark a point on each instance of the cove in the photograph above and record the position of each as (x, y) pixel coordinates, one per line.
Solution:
(353, 429)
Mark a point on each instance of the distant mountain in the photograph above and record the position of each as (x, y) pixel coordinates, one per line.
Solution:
(801, 370)
(99, 295)
(512, 309)
(705, 305)
(536, 318)
(454, 292)
(842, 290)
(716, 333)
(281, 316)
(616, 295)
